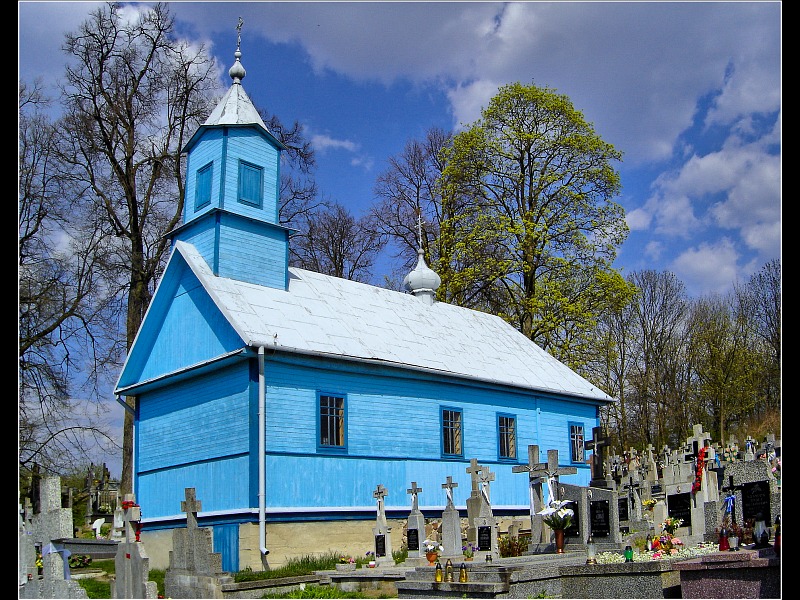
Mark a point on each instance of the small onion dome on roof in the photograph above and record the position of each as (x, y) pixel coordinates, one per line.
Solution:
(422, 281)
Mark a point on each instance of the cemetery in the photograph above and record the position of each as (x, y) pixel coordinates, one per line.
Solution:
(699, 521)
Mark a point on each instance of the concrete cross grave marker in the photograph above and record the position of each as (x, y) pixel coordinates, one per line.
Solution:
(414, 491)
(537, 472)
(194, 570)
(448, 490)
(415, 524)
(596, 445)
(381, 531)
(553, 472)
(451, 522)
(474, 500)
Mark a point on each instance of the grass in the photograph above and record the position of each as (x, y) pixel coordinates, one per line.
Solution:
(100, 587)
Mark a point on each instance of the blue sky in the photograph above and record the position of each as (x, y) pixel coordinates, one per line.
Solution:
(689, 92)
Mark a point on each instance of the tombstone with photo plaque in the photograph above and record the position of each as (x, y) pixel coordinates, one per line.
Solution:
(382, 531)
(416, 524)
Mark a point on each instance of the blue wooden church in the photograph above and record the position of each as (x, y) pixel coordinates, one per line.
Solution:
(284, 397)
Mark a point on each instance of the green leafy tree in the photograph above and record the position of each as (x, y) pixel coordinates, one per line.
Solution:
(532, 229)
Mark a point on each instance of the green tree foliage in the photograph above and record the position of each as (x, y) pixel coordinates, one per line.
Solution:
(530, 230)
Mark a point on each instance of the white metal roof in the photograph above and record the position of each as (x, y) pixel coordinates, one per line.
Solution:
(327, 315)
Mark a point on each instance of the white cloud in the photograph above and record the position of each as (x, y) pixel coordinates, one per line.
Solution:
(707, 267)
(322, 143)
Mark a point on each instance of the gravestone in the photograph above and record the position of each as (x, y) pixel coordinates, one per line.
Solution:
(52, 522)
(131, 563)
(596, 512)
(537, 472)
(485, 522)
(679, 506)
(194, 570)
(474, 500)
(415, 530)
(382, 532)
(451, 522)
(755, 490)
(553, 472)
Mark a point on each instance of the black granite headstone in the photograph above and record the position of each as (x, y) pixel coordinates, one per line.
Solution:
(573, 530)
(599, 516)
(413, 539)
(755, 501)
(679, 506)
(380, 545)
(484, 538)
(622, 503)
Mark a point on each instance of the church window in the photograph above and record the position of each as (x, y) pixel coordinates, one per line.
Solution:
(251, 178)
(576, 442)
(507, 437)
(332, 422)
(451, 432)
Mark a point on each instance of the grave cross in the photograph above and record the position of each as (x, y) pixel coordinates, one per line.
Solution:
(414, 491)
(596, 445)
(729, 505)
(553, 471)
(473, 470)
(379, 493)
(536, 473)
(485, 477)
(191, 506)
(448, 488)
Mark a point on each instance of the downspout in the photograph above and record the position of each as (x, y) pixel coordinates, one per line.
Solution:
(262, 463)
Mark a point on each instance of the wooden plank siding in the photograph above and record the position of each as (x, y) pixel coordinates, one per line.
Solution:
(201, 434)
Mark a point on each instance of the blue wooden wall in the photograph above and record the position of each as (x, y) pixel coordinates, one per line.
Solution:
(202, 434)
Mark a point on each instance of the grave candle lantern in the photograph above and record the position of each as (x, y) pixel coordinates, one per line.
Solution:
(591, 551)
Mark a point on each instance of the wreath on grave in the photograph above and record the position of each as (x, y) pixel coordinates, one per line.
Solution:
(698, 473)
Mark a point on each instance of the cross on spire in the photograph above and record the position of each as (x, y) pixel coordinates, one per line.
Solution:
(239, 33)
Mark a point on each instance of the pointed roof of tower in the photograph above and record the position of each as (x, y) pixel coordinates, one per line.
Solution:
(235, 108)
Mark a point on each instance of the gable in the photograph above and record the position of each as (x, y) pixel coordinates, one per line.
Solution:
(182, 327)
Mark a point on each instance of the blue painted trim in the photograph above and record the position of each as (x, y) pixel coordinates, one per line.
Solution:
(223, 170)
(217, 236)
(460, 411)
(329, 448)
(507, 459)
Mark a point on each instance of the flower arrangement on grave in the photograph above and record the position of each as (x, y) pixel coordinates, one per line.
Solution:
(667, 543)
(469, 550)
(556, 515)
(671, 524)
(126, 504)
(105, 508)
(432, 547)
(649, 503)
(370, 556)
(39, 563)
(347, 560)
